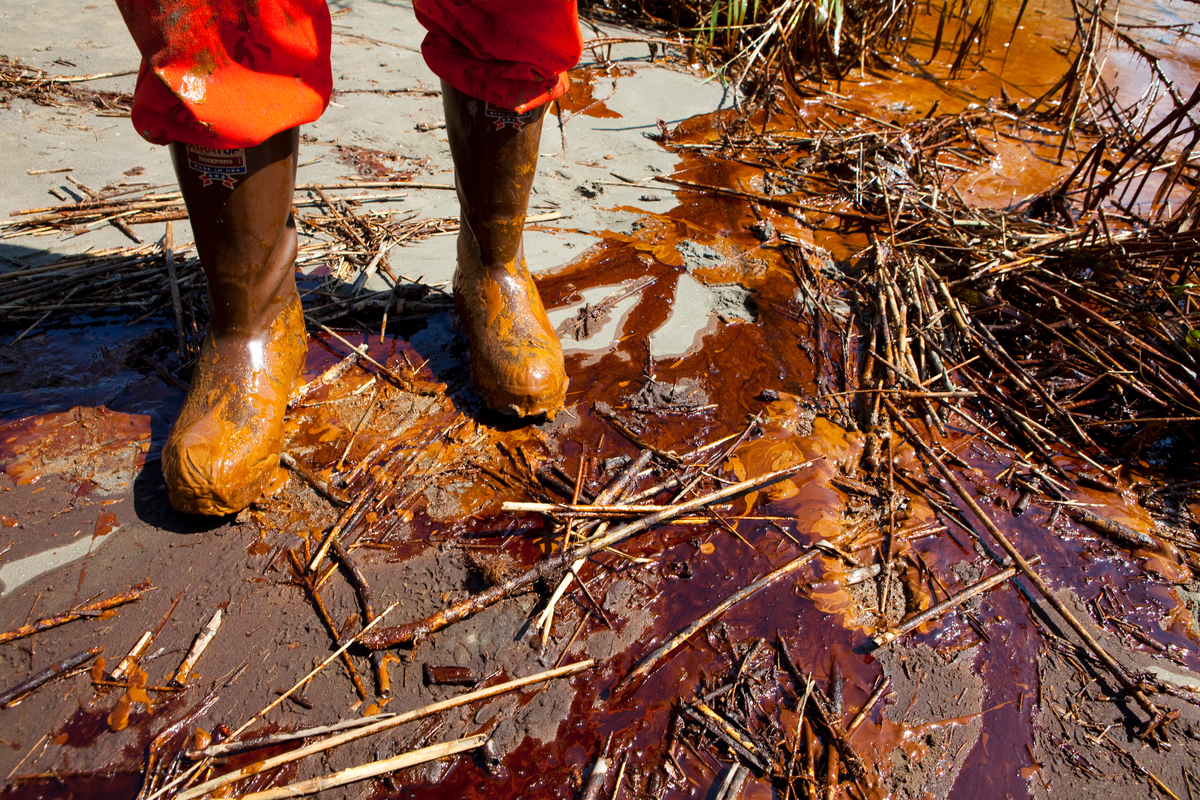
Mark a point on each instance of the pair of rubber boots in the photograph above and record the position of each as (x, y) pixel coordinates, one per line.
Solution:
(226, 443)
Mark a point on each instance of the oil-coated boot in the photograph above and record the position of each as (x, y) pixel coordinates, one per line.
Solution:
(225, 445)
(516, 359)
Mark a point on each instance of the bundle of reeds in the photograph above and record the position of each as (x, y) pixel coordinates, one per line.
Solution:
(20, 81)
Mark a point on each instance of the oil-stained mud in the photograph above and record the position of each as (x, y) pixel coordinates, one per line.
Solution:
(993, 700)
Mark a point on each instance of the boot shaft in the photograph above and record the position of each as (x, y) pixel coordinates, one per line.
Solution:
(495, 155)
(240, 206)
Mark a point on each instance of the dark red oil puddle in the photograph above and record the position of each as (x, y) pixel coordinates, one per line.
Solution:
(84, 728)
(998, 765)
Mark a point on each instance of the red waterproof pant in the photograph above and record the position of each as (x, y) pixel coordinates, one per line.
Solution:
(227, 74)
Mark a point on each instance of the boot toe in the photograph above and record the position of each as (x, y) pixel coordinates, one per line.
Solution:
(203, 476)
(530, 390)
(525, 386)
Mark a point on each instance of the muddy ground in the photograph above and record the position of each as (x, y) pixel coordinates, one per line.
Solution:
(994, 700)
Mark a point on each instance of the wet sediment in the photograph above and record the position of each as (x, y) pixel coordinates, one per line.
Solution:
(787, 343)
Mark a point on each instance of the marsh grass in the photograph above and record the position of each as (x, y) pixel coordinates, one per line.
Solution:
(755, 43)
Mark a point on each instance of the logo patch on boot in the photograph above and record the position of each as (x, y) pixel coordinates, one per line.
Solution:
(216, 165)
(503, 117)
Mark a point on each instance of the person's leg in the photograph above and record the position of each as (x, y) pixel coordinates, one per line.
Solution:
(226, 85)
(226, 443)
(500, 62)
(516, 359)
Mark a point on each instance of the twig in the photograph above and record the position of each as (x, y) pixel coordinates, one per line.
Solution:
(595, 782)
(12, 696)
(1121, 534)
(702, 713)
(198, 647)
(88, 610)
(885, 684)
(734, 781)
(646, 664)
(319, 485)
(330, 375)
(242, 745)
(613, 491)
(345, 519)
(308, 581)
(132, 657)
(168, 247)
(127, 685)
(383, 682)
(833, 725)
(369, 412)
(408, 384)
(936, 611)
(583, 510)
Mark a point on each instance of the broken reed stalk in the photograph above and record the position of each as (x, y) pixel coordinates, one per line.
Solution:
(88, 610)
(613, 491)
(1121, 534)
(198, 647)
(348, 515)
(242, 745)
(370, 770)
(731, 786)
(830, 717)
(402, 634)
(368, 413)
(824, 713)
(12, 696)
(168, 246)
(408, 384)
(366, 598)
(318, 484)
(308, 581)
(127, 685)
(936, 611)
(382, 725)
(583, 510)
(132, 656)
(329, 376)
(1158, 716)
(595, 782)
(710, 719)
(885, 683)
(648, 663)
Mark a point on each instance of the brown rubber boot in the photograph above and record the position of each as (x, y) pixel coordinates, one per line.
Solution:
(225, 445)
(516, 358)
